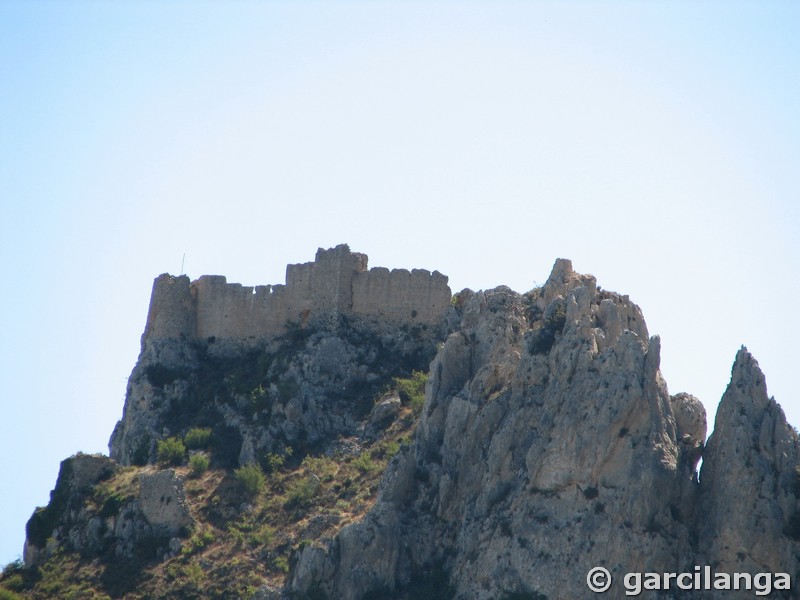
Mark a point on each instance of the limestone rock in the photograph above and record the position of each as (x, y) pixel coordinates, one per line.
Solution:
(750, 492)
(690, 429)
(546, 443)
(77, 519)
(549, 444)
(690, 417)
(384, 411)
(162, 501)
(76, 477)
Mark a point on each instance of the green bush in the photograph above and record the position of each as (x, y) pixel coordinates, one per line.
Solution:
(197, 438)
(198, 464)
(198, 541)
(252, 478)
(259, 399)
(274, 462)
(364, 463)
(389, 448)
(14, 582)
(9, 595)
(300, 492)
(412, 389)
(263, 536)
(281, 563)
(112, 505)
(171, 451)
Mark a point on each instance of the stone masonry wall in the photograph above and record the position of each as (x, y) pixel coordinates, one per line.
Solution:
(417, 296)
(336, 283)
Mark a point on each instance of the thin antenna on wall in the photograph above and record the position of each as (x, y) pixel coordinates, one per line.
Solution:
(183, 260)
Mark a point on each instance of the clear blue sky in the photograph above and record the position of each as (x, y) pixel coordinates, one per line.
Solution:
(655, 144)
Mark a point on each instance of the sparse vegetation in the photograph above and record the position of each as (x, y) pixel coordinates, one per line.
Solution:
(300, 493)
(198, 464)
(171, 451)
(334, 490)
(249, 520)
(364, 463)
(412, 389)
(12, 580)
(543, 338)
(275, 462)
(198, 541)
(263, 536)
(259, 399)
(252, 479)
(281, 563)
(158, 375)
(197, 438)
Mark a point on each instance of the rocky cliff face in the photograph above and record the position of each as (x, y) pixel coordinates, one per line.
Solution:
(548, 444)
(304, 389)
(119, 523)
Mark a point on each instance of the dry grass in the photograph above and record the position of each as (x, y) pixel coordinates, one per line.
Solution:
(232, 551)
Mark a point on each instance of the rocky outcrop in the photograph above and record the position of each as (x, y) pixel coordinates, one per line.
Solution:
(85, 517)
(264, 389)
(300, 391)
(750, 493)
(549, 445)
(49, 526)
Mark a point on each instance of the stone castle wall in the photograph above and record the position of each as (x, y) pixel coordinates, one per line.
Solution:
(336, 283)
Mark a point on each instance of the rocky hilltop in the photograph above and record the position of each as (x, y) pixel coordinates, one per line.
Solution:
(360, 434)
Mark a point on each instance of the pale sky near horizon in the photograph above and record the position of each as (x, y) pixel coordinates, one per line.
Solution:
(655, 144)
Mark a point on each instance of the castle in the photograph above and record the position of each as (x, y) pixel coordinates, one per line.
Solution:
(337, 283)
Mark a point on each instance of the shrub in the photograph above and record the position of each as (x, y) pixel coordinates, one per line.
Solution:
(263, 536)
(13, 568)
(198, 541)
(364, 463)
(252, 479)
(14, 583)
(194, 573)
(544, 338)
(300, 492)
(281, 563)
(158, 375)
(237, 536)
(197, 438)
(412, 389)
(198, 463)
(274, 462)
(9, 595)
(259, 399)
(112, 505)
(389, 448)
(170, 451)
(323, 467)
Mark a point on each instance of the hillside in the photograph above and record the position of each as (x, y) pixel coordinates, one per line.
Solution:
(360, 434)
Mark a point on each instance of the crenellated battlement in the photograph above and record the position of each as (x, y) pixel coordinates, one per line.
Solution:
(338, 282)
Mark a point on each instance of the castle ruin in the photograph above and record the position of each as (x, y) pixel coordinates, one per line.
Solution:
(337, 283)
